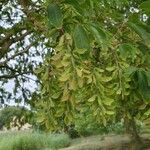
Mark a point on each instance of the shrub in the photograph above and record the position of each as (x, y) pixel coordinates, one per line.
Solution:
(86, 125)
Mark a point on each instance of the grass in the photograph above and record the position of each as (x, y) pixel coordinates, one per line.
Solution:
(33, 141)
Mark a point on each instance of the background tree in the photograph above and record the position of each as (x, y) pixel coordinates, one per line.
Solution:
(22, 45)
(14, 116)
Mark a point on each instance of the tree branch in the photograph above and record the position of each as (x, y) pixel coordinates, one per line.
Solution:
(10, 32)
(7, 41)
(13, 75)
(17, 54)
(32, 79)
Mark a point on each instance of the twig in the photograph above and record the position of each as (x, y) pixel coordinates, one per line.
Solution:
(17, 54)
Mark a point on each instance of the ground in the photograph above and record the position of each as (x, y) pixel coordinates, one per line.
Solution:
(108, 142)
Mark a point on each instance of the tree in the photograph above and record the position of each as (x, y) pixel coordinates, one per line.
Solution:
(21, 42)
(14, 116)
(99, 62)
(98, 58)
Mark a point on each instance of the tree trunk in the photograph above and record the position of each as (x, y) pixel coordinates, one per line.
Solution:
(130, 128)
(134, 130)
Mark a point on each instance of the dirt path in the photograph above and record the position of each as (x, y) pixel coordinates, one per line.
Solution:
(108, 142)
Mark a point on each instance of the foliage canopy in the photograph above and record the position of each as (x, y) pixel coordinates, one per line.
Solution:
(98, 58)
(99, 61)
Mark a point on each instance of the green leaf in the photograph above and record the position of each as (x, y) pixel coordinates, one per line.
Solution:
(89, 79)
(106, 79)
(143, 31)
(92, 99)
(141, 79)
(99, 70)
(75, 4)
(65, 63)
(147, 73)
(147, 113)
(110, 112)
(99, 101)
(38, 71)
(127, 50)
(56, 95)
(80, 51)
(143, 85)
(51, 103)
(64, 77)
(110, 68)
(79, 72)
(66, 60)
(95, 113)
(130, 71)
(142, 107)
(146, 6)
(81, 38)
(55, 15)
(108, 101)
(80, 82)
(98, 33)
(46, 74)
(59, 113)
(72, 85)
(65, 96)
(118, 92)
